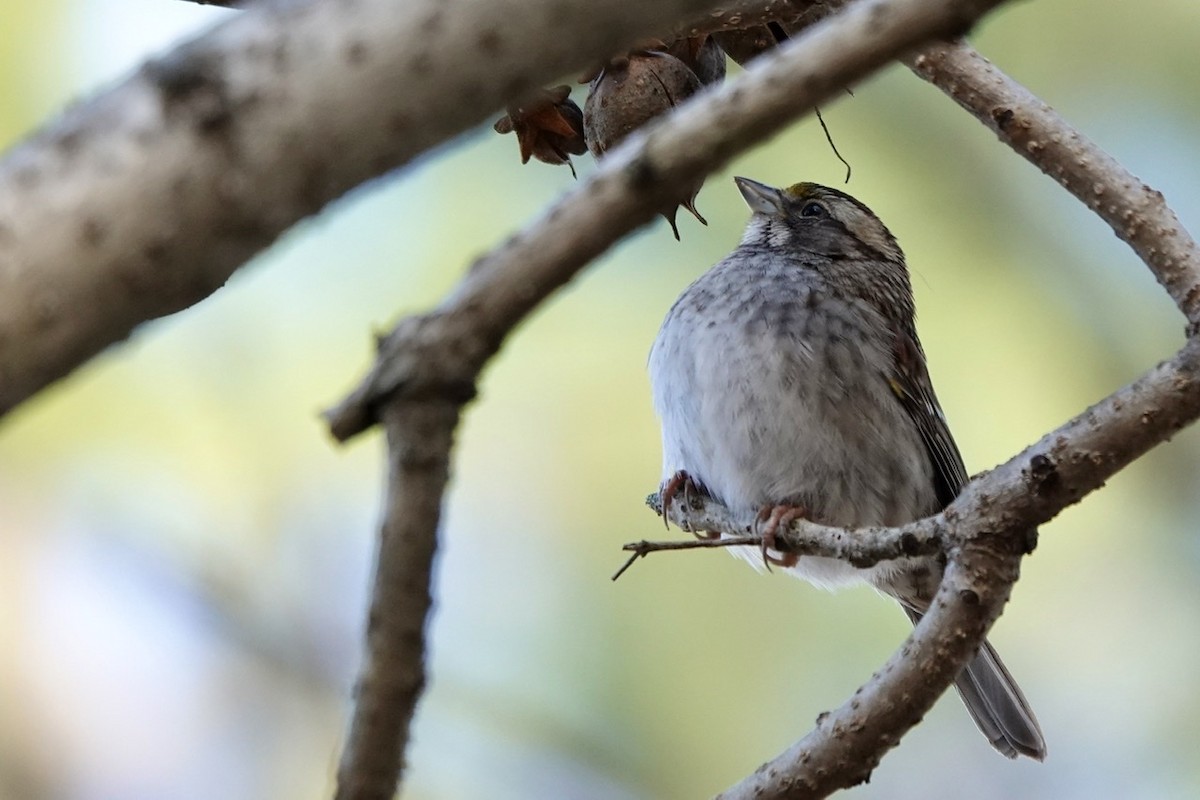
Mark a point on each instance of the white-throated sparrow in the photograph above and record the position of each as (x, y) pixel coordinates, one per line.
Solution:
(789, 380)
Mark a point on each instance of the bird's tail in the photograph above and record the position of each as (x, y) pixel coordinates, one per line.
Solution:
(996, 703)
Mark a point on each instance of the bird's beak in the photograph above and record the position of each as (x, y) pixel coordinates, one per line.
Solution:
(761, 198)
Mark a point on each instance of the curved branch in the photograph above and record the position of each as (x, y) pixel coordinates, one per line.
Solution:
(1137, 214)
(1046, 477)
(848, 743)
(145, 199)
(450, 346)
(437, 357)
(984, 533)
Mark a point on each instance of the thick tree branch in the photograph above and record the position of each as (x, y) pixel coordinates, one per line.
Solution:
(146, 198)
(450, 346)
(729, 16)
(1137, 214)
(847, 744)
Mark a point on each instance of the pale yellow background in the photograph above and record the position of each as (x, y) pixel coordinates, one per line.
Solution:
(184, 554)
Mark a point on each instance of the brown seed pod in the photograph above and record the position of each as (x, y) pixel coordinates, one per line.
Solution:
(623, 97)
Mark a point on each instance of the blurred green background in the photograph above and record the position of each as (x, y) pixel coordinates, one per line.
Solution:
(184, 554)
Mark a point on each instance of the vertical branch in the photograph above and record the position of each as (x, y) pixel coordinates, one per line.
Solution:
(419, 435)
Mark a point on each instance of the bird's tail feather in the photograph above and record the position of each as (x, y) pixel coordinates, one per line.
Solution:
(996, 703)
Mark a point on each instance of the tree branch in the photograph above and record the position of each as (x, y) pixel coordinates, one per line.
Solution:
(1028, 490)
(145, 199)
(1137, 214)
(848, 743)
(437, 357)
(650, 168)
(1031, 487)
(221, 3)
(861, 547)
(984, 532)
(392, 677)
(737, 15)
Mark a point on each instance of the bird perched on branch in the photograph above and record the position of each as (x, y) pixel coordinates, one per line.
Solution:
(790, 382)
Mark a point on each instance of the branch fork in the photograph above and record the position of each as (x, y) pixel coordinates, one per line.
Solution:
(428, 366)
(986, 531)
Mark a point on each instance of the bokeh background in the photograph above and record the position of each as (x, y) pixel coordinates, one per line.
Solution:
(185, 554)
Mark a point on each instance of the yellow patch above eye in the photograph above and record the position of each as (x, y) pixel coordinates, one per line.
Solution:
(799, 190)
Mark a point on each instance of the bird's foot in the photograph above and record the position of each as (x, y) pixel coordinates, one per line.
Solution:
(671, 488)
(767, 525)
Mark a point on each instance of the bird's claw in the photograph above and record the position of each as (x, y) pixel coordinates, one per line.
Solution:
(767, 525)
(680, 481)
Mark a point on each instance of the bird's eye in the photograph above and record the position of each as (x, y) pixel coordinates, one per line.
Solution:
(813, 210)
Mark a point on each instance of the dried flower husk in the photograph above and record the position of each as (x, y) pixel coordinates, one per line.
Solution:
(549, 127)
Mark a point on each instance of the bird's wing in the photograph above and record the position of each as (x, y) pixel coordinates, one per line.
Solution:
(910, 383)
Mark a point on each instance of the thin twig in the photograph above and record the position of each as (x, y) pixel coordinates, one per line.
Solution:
(645, 547)
(780, 36)
(832, 146)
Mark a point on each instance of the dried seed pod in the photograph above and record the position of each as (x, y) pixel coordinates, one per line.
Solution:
(623, 97)
(549, 127)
